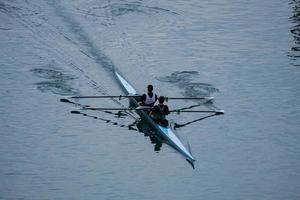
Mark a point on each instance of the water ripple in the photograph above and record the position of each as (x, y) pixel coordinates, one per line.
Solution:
(57, 82)
(112, 11)
(185, 80)
(294, 53)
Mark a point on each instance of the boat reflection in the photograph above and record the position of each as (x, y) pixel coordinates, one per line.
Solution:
(144, 128)
(139, 125)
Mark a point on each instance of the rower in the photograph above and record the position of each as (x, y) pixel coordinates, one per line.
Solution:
(159, 112)
(149, 98)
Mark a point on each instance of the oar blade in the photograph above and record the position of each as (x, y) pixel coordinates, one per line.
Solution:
(75, 112)
(65, 100)
(220, 112)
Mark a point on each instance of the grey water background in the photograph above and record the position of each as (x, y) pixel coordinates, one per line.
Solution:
(245, 53)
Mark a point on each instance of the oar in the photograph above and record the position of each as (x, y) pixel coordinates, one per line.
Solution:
(189, 98)
(84, 107)
(120, 109)
(218, 112)
(147, 108)
(103, 96)
(138, 96)
(193, 121)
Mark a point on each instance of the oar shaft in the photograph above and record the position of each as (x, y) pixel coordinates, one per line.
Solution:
(103, 96)
(137, 96)
(190, 98)
(119, 109)
(200, 111)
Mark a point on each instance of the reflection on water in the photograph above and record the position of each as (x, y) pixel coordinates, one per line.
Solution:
(193, 121)
(144, 128)
(139, 124)
(107, 13)
(106, 120)
(294, 53)
(56, 82)
(184, 80)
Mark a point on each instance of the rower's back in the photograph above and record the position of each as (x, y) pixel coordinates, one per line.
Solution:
(159, 112)
(149, 98)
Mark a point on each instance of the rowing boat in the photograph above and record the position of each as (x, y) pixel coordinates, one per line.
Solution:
(164, 133)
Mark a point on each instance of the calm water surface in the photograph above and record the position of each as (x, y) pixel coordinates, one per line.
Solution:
(244, 53)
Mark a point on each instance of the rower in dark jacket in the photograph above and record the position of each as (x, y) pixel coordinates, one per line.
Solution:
(149, 98)
(159, 112)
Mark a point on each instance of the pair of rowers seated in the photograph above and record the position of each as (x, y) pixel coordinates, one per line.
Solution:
(159, 111)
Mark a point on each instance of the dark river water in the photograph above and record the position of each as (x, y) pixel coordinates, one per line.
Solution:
(244, 53)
